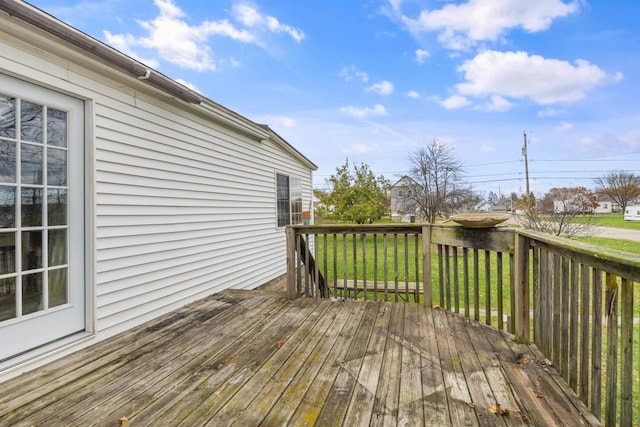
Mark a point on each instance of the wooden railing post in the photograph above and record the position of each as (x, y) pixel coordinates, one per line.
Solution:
(426, 265)
(521, 283)
(290, 236)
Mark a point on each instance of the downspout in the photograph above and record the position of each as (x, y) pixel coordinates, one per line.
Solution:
(48, 23)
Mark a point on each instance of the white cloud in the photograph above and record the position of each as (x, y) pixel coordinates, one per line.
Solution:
(498, 103)
(174, 40)
(462, 25)
(550, 112)
(454, 102)
(350, 72)
(383, 87)
(518, 75)
(396, 4)
(282, 121)
(422, 55)
(362, 112)
(251, 17)
(412, 94)
(189, 85)
(564, 126)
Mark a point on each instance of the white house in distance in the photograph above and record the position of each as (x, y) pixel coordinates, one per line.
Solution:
(402, 199)
(123, 194)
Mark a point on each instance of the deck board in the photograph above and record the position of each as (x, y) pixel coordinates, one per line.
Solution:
(254, 358)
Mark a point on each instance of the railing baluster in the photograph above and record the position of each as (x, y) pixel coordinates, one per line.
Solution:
(584, 336)
(626, 389)
(556, 307)
(465, 279)
(573, 327)
(476, 286)
(416, 258)
(500, 296)
(324, 260)
(611, 305)
(355, 266)
(386, 267)
(487, 286)
(447, 276)
(395, 265)
(406, 267)
(456, 281)
(440, 276)
(345, 268)
(564, 318)
(335, 264)
(596, 350)
(363, 237)
(375, 267)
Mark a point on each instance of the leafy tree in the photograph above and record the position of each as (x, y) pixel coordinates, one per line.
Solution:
(440, 189)
(621, 187)
(356, 195)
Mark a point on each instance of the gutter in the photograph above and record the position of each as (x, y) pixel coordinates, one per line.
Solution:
(71, 35)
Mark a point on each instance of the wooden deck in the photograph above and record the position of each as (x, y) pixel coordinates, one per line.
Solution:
(253, 358)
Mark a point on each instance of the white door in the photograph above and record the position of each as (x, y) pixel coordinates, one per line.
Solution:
(41, 216)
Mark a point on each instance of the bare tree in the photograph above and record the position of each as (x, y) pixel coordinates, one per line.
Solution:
(438, 175)
(622, 187)
(560, 212)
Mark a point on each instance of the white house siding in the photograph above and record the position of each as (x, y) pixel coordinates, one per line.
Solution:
(179, 206)
(183, 209)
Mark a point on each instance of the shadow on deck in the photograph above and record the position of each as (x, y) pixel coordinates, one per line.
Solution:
(254, 358)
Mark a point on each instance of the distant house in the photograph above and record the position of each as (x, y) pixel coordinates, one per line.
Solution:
(606, 205)
(502, 205)
(483, 206)
(124, 195)
(403, 206)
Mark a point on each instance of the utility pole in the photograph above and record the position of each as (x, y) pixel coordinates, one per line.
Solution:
(526, 167)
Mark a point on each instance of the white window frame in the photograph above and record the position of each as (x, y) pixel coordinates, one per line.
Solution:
(293, 201)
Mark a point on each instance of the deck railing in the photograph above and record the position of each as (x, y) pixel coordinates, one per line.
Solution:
(578, 303)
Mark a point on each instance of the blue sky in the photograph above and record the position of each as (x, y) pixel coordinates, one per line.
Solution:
(372, 80)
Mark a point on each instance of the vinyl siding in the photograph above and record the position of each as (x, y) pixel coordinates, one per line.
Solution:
(183, 206)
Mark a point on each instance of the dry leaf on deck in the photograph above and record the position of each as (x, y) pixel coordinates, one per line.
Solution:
(279, 343)
(123, 421)
(497, 409)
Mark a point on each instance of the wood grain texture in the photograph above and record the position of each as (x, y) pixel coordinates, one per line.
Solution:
(250, 358)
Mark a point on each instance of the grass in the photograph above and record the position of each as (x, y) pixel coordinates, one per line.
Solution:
(621, 245)
(609, 220)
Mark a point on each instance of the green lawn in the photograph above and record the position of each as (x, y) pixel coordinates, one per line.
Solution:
(609, 220)
(621, 245)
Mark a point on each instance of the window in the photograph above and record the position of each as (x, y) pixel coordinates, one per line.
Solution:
(288, 200)
(399, 193)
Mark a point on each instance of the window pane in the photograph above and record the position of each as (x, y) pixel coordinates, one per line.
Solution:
(7, 207)
(31, 293)
(57, 247)
(31, 207)
(31, 122)
(56, 167)
(296, 200)
(7, 253)
(282, 202)
(56, 127)
(57, 207)
(57, 287)
(31, 250)
(7, 161)
(31, 162)
(7, 298)
(7, 116)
